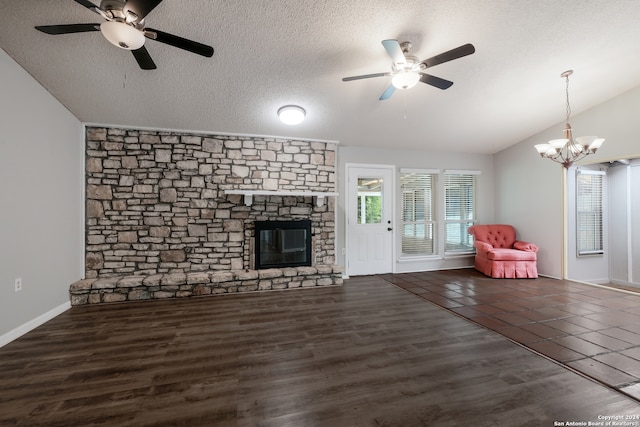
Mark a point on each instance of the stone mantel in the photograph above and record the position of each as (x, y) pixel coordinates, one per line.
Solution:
(319, 196)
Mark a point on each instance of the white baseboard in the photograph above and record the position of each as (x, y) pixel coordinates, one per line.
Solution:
(32, 324)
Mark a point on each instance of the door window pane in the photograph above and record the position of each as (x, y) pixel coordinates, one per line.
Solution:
(369, 200)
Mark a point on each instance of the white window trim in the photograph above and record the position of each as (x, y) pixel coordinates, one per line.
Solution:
(443, 224)
(598, 252)
(439, 209)
(407, 258)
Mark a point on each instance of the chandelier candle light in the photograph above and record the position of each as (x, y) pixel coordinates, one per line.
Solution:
(566, 150)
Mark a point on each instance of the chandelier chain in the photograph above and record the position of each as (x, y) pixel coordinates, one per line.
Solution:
(568, 105)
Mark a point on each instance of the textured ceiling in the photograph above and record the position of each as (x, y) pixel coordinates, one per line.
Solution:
(272, 53)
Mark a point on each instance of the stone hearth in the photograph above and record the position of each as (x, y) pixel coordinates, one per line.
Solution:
(201, 283)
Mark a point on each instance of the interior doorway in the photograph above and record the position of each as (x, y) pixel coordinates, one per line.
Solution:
(618, 262)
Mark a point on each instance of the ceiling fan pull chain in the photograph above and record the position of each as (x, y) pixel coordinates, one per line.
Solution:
(405, 105)
(124, 80)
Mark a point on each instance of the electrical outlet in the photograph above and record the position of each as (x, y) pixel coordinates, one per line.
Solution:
(344, 251)
(18, 284)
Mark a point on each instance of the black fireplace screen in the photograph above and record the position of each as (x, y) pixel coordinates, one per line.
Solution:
(283, 243)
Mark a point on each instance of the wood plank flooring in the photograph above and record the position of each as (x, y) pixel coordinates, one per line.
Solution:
(364, 354)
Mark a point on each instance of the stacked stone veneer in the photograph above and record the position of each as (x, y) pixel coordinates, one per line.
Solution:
(159, 223)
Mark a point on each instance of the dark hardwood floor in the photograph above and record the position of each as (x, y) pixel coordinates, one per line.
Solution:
(364, 354)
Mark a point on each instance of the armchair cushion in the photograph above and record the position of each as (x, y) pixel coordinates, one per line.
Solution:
(502, 254)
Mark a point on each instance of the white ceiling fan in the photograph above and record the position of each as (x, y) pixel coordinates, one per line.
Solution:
(407, 70)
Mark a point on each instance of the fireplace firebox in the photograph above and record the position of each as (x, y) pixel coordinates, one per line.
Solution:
(282, 244)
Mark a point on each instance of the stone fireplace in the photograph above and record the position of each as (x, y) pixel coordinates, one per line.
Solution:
(164, 205)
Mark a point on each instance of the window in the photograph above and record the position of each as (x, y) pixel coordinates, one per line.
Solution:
(418, 218)
(369, 200)
(432, 224)
(589, 185)
(459, 210)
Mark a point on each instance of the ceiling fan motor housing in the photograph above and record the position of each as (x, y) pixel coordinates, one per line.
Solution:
(405, 76)
(115, 10)
(123, 29)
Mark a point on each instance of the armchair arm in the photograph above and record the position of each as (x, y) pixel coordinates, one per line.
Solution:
(525, 246)
(482, 246)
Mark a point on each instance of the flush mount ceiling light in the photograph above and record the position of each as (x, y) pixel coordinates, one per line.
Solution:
(122, 35)
(566, 150)
(291, 114)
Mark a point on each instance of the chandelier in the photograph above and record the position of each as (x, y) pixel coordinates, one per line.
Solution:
(566, 150)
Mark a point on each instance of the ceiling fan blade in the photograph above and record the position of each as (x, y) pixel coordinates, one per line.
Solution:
(435, 81)
(140, 8)
(68, 28)
(144, 59)
(395, 51)
(179, 42)
(387, 92)
(88, 5)
(450, 55)
(365, 76)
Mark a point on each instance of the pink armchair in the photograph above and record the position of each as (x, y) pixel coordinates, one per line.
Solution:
(500, 255)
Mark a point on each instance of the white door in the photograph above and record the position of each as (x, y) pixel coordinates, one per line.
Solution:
(369, 219)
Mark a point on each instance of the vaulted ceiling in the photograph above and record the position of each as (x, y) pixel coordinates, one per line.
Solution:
(269, 53)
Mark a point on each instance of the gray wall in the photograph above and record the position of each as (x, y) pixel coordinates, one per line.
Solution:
(42, 205)
(529, 190)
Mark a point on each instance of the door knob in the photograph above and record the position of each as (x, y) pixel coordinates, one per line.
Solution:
(389, 228)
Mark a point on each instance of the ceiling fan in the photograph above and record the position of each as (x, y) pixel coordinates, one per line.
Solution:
(124, 27)
(406, 69)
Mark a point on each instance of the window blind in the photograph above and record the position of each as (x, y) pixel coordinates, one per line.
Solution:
(589, 194)
(459, 211)
(418, 237)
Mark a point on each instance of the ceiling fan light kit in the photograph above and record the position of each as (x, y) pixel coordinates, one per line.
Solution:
(407, 70)
(566, 150)
(405, 79)
(122, 35)
(291, 114)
